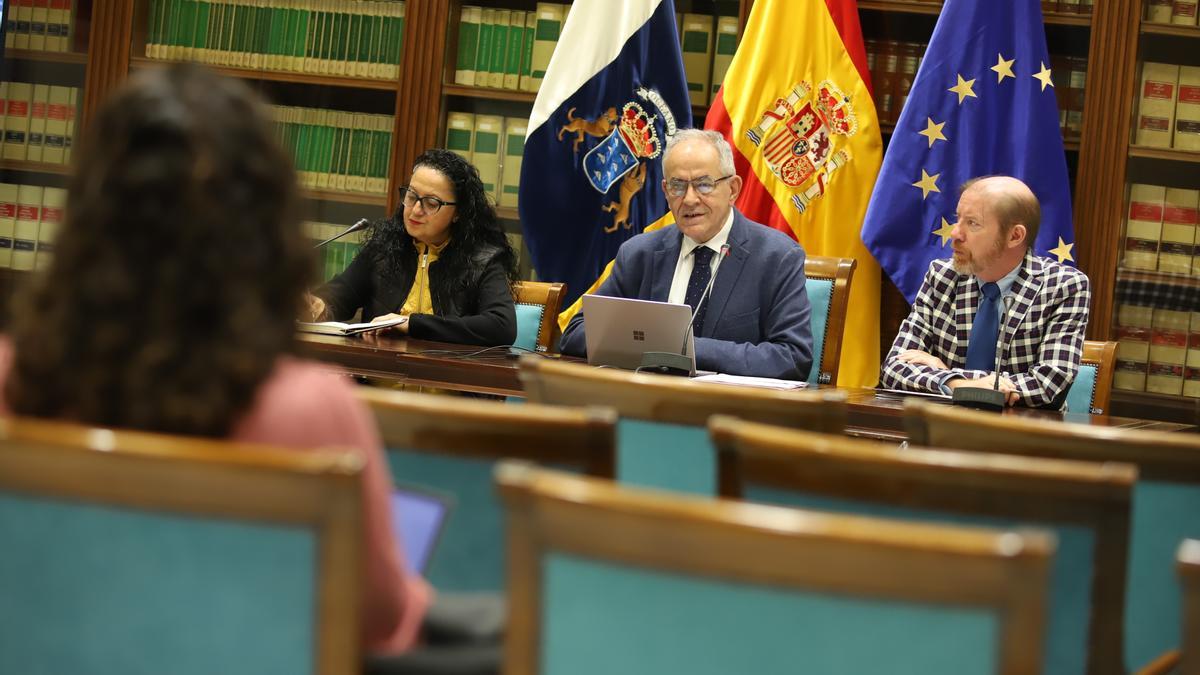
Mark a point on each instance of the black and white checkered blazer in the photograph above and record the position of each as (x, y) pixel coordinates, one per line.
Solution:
(1043, 330)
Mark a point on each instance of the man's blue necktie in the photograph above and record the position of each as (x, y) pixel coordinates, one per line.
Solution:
(981, 347)
(701, 273)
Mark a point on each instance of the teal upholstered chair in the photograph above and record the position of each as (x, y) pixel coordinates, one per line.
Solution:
(661, 437)
(702, 586)
(127, 553)
(537, 305)
(450, 444)
(1166, 499)
(1086, 504)
(1188, 562)
(1092, 388)
(828, 287)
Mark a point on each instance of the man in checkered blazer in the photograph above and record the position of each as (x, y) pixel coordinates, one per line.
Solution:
(1041, 330)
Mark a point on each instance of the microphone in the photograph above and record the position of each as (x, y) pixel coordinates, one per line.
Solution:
(987, 399)
(360, 225)
(668, 363)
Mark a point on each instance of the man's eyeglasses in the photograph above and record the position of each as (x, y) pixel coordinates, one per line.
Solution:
(677, 187)
(429, 204)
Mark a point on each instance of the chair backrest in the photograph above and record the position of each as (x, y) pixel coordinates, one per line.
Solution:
(828, 287)
(703, 586)
(1092, 388)
(662, 440)
(450, 444)
(537, 305)
(1165, 498)
(1188, 561)
(1087, 504)
(128, 552)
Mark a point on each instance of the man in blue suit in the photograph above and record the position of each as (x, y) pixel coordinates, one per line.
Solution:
(756, 318)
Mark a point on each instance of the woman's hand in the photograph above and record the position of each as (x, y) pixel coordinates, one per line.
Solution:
(316, 307)
(389, 331)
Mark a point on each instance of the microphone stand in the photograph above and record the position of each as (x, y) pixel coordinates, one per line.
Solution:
(987, 399)
(669, 363)
(360, 225)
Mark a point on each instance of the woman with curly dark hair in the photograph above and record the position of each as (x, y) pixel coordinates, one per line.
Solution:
(171, 302)
(442, 261)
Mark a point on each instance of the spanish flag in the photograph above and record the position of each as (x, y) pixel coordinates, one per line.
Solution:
(797, 109)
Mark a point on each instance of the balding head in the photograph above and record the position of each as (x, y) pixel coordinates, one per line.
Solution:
(1011, 202)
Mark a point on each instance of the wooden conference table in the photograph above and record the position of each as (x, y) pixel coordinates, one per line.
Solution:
(494, 371)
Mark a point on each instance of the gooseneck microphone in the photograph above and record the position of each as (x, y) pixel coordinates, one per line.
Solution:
(360, 225)
(668, 363)
(988, 399)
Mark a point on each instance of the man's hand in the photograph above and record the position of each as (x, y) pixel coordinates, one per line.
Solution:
(919, 358)
(1011, 396)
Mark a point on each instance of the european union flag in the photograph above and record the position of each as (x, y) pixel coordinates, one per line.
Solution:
(982, 104)
(591, 175)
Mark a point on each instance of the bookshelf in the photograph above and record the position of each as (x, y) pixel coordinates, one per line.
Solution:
(111, 40)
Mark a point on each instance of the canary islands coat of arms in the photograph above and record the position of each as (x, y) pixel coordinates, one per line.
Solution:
(630, 139)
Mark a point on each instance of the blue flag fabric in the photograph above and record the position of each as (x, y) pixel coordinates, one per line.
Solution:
(592, 168)
(982, 104)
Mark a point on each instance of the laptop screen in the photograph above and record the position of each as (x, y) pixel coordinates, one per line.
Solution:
(418, 518)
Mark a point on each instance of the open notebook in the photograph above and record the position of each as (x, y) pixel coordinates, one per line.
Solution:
(419, 516)
(339, 328)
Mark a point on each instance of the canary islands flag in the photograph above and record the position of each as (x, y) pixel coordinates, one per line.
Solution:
(982, 104)
(796, 107)
(592, 169)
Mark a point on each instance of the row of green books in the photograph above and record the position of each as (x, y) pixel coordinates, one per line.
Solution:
(708, 44)
(30, 216)
(363, 38)
(335, 256)
(337, 150)
(507, 49)
(38, 121)
(495, 145)
(40, 25)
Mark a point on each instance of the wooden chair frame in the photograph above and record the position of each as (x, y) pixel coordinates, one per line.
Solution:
(1159, 455)
(1188, 564)
(319, 489)
(549, 295)
(841, 272)
(549, 511)
(584, 438)
(677, 400)
(1103, 356)
(1095, 495)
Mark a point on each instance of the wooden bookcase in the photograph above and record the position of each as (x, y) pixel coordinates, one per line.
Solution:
(1103, 159)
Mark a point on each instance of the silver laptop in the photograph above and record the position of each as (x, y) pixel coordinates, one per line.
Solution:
(620, 330)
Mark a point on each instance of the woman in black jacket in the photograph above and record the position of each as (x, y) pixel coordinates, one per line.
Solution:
(442, 261)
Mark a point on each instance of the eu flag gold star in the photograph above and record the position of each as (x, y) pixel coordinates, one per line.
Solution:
(1003, 68)
(933, 131)
(963, 89)
(944, 231)
(1044, 76)
(1063, 252)
(927, 184)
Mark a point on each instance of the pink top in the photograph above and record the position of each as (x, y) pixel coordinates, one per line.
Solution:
(304, 405)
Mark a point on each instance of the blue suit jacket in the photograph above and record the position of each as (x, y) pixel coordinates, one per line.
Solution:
(757, 321)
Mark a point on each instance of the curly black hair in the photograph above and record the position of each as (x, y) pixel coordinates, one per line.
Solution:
(475, 224)
(180, 267)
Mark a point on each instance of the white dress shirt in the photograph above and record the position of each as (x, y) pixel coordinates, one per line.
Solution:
(683, 266)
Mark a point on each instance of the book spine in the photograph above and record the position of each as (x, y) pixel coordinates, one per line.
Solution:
(1168, 352)
(1191, 371)
(37, 122)
(527, 40)
(514, 152)
(54, 200)
(16, 120)
(1187, 110)
(8, 222)
(1134, 327)
(513, 50)
(1143, 228)
(460, 134)
(545, 39)
(1158, 11)
(468, 45)
(1156, 109)
(29, 205)
(1183, 12)
(1178, 231)
(487, 151)
(727, 29)
(697, 55)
